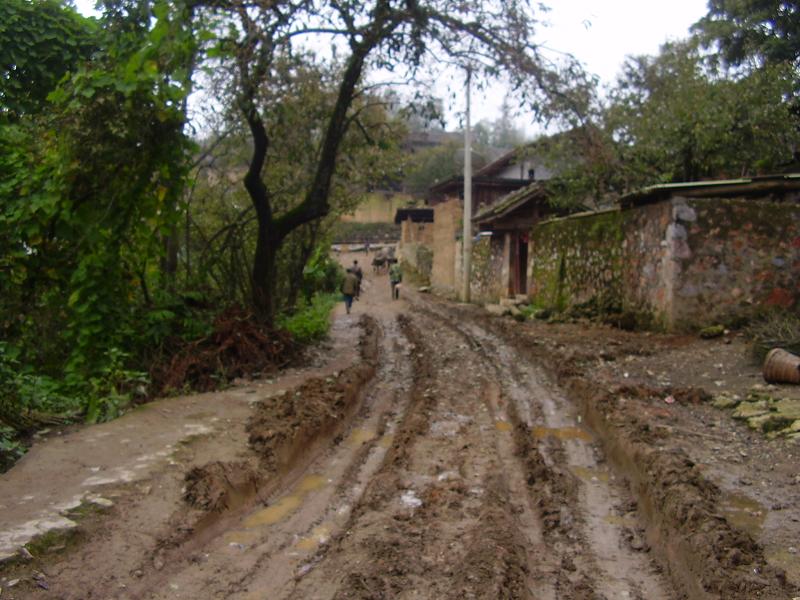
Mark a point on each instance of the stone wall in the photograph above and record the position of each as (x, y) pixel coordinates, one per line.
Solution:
(682, 262)
(733, 254)
(489, 262)
(419, 258)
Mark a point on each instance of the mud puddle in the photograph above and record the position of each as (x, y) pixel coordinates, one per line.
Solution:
(744, 513)
(438, 520)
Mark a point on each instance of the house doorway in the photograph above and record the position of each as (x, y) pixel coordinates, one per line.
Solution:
(519, 264)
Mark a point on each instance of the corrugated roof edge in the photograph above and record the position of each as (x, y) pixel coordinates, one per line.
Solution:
(509, 201)
(580, 215)
(727, 187)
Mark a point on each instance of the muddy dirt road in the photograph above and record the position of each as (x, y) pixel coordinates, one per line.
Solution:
(431, 456)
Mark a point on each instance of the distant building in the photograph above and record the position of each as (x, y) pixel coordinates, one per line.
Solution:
(504, 178)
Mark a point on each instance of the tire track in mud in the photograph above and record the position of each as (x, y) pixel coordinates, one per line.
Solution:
(578, 500)
(437, 520)
(308, 485)
(676, 509)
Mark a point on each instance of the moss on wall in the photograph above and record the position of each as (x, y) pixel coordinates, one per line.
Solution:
(486, 269)
(351, 232)
(680, 264)
(578, 261)
(424, 262)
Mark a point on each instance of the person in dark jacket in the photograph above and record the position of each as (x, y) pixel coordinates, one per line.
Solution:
(359, 274)
(349, 289)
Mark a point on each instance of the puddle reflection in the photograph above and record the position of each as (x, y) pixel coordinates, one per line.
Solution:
(319, 535)
(285, 506)
(620, 521)
(562, 433)
(589, 474)
(743, 513)
(360, 436)
(786, 560)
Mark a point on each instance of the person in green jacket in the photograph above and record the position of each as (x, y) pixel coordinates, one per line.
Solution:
(395, 277)
(349, 289)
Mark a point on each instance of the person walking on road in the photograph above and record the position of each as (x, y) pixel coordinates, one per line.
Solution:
(349, 289)
(359, 275)
(395, 277)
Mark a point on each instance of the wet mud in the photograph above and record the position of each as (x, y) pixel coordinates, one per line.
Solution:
(700, 537)
(457, 456)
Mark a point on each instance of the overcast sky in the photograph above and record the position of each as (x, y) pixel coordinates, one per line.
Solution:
(600, 33)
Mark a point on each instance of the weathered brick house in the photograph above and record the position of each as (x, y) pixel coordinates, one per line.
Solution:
(513, 171)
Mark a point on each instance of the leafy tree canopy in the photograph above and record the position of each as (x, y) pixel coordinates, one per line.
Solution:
(40, 42)
(250, 39)
(765, 31)
(670, 118)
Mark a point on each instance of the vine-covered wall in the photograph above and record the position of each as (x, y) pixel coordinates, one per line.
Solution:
(679, 263)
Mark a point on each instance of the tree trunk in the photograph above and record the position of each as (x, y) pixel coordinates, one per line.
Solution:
(265, 274)
(169, 262)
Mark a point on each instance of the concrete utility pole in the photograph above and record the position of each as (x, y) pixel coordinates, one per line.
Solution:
(466, 239)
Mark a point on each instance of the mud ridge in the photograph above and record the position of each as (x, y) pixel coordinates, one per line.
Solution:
(495, 562)
(488, 560)
(552, 490)
(702, 553)
(285, 434)
(394, 556)
(286, 430)
(385, 482)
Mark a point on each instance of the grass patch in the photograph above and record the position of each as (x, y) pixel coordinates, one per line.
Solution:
(53, 542)
(312, 320)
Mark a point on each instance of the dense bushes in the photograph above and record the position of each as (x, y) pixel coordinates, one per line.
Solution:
(311, 320)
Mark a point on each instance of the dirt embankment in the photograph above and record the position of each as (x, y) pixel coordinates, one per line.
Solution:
(703, 553)
(285, 430)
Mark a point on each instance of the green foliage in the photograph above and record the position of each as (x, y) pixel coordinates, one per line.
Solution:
(767, 31)
(11, 449)
(92, 160)
(440, 163)
(321, 274)
(670, 118)
(223, 232)
(311, 321)
(673, 121)
(41, 41)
